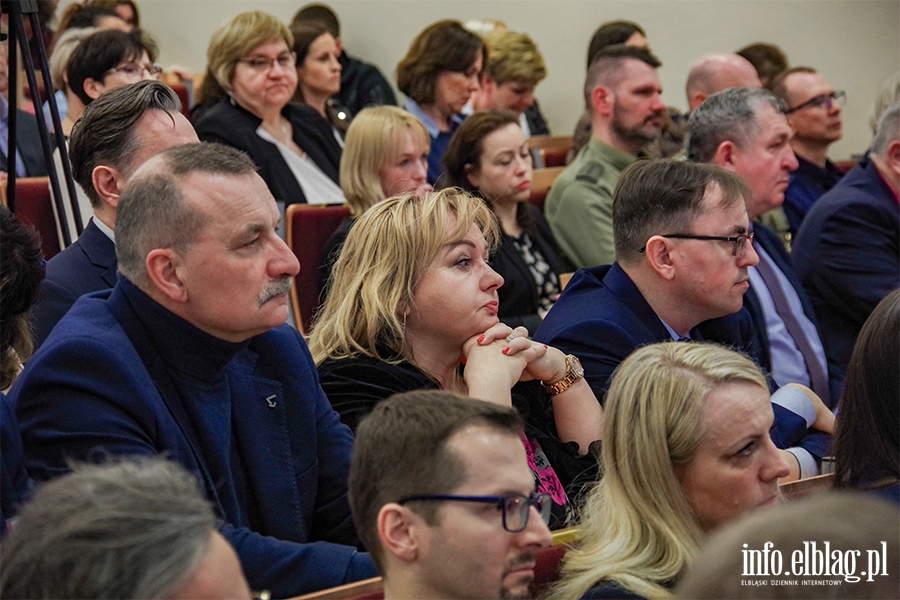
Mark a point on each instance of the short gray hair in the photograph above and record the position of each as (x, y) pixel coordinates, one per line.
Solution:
(152, 211)
(730, 115)
(105, 135)
(888, 130)
(131, 529)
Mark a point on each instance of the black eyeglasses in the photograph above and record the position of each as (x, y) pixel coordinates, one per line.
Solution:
(515, 508)
(825, 101)
(738, 242)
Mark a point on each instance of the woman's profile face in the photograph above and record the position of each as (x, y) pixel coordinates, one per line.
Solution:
(504, 171)
(457, 295)
(452, 89)
(320, 72)
(407, 169)
(735, 468)
(265, 78)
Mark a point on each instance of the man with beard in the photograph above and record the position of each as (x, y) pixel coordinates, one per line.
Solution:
(443, 498)
(188, 356)
(622, 93)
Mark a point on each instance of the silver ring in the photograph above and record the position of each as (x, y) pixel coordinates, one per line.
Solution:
(510, 338)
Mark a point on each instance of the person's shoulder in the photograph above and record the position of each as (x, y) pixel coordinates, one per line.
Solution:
(610, 590)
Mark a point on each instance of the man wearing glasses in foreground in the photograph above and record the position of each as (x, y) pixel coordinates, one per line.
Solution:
(683, 254)
(443, 498)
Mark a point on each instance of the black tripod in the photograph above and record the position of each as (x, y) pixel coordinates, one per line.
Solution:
(18, 10)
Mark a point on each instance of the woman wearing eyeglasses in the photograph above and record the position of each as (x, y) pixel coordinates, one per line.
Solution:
(250, 80)
(413, 305)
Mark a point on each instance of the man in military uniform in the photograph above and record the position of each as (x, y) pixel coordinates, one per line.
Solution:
(622, 93)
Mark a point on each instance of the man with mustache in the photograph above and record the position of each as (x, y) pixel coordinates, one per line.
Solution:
(188, 356)
(683, 255)
(622, 94)
(443, 498)
(745, 131)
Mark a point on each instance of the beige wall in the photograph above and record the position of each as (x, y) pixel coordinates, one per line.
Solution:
(854, 43)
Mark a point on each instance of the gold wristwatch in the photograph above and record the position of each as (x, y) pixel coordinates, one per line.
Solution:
(574, 372)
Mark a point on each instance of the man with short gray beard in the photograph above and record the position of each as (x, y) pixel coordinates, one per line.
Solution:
(188, 356)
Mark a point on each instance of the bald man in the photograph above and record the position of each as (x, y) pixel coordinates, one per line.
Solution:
(717, 72)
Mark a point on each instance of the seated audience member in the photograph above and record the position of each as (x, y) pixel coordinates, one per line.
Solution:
(412, 295)
(841, 522)
(744, 131)
(188, 356)
(80, 15)
(488, 156)
(888, 94)
(686, 449)
(714, 73)
(622, 93)
(135, 529)
(444, 498)
(58, 63)
(867, 441)
(21, 270)
(439, 74)
(102, 62)
(514, 68)
(682, 255)
(814, 113)
(608, 34)
(116, 135)
(29, 155)
(250, 81)
(319, 75)
(768, 60)
(386, 154)
(847, 252)
(362, 84)
(126, 9)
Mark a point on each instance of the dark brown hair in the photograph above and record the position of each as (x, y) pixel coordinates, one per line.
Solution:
(610, 34)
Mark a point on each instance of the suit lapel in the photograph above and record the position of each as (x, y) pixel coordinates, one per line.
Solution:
(100, 250)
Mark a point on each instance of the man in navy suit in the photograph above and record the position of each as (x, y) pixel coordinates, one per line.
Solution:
(745, 131)
(682, 257)
(848, 249)
(118, 133)
(188, 356)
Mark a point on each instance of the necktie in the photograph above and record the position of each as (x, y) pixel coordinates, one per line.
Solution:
(817, 376)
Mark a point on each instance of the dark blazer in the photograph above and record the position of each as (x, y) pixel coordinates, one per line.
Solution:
(102, 384)
(362, 85)
(602, 317)
(229, 124)
(770, 242)
(88, 265)
(14, 483)
(847, 253)
(518, 294)
(28, 146)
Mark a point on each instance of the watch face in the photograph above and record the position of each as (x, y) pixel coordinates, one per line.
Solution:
(576, 366)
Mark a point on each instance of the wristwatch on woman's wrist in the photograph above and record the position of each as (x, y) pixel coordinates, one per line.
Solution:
(574, 372)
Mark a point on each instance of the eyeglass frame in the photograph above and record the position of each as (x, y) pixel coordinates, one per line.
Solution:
(825, 101)
(739, 242)
(153, 71)
(270, 62)
(533, 499)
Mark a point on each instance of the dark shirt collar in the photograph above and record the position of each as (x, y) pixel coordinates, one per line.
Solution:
(184, 347)
(826, 176)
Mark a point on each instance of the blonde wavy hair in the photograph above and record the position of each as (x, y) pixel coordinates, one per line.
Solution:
(375, 278)
(374, 139)
(637, 527)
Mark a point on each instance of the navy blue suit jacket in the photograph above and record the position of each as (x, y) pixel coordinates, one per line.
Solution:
(100, 385)
(770, 242)
(601, 317)
(28, 146)
(88, 265)
(847, 253)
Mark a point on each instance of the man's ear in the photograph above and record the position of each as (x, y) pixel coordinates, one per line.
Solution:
(725, 155)
(164, 267)
(603, 99)
(659, 257)
(893, 156)
(399, 529)
(108, 183)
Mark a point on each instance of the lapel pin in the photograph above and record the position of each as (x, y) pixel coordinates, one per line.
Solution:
(271, 401)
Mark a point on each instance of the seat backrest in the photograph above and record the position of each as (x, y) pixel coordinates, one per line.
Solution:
(550, 150)
(803, 487)
(33, 205)
(309, 228)
(541, 181)
(181, 90)
(367, 589)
